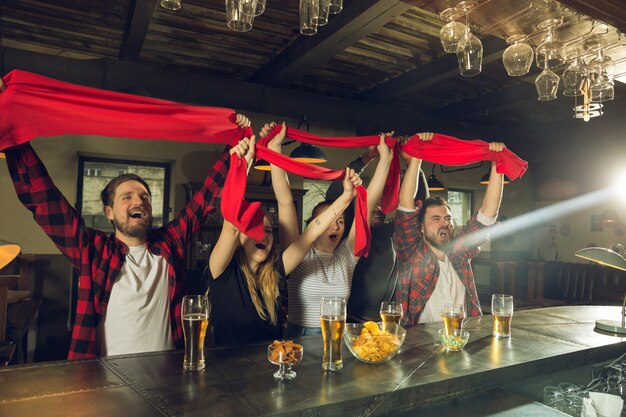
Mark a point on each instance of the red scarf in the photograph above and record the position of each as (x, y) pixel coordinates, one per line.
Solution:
(34, 106)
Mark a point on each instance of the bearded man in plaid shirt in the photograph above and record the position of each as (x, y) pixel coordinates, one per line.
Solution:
(433, 262)
(131, 282)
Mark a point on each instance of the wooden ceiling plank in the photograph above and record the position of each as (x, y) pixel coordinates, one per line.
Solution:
(434, 72)
(139, 17)
(355, 22)
(612, 12)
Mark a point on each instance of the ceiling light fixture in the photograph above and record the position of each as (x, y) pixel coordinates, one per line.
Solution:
(433, 183)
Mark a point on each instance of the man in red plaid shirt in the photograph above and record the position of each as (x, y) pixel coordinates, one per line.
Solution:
(131, 282)
(434, 263)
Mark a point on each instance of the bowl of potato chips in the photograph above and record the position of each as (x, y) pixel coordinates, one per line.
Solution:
(373, 342)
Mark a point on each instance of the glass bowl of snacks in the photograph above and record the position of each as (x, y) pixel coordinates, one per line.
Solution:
(455, 341)
(284, 353)
(372, 342)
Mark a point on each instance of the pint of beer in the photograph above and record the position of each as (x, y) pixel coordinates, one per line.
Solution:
(502, 312)
(390, 312)
(333, 322)
(195, 316)
(452, 316)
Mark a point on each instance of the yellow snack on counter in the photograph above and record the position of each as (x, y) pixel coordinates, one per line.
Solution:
(374, 344)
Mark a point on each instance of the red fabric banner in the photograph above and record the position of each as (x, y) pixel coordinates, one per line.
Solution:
(34, 106)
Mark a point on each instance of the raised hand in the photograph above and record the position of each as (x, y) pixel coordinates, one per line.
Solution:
(350, 181)
(277, 141)
(497, 146)
(242, 121)
(384, 151)
(245, 149)
(2, 86)
(425, 136)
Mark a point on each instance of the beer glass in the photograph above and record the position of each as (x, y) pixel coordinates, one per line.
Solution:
(390, 312)
(195, 316)
(502, 312)
(333, 321)
(453, 316)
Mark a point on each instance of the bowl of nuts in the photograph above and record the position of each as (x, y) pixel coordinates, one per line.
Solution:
(455, 341)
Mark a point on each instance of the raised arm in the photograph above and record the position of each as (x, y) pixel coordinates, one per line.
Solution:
(188, 221)
(288, 228)
(228, 240)
(293, 255)
(408, 188)
(493, 194)
(376, 185)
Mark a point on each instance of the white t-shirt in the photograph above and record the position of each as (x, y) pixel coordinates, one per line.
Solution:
(449, 289)
(320, 274)
(137, 316)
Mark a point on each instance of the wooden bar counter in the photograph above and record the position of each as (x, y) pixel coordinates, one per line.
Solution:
(238, 381)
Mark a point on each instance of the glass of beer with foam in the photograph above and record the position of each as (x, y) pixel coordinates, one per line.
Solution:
(453, 316)
(502, 312)
(333, 322)
(195, 317)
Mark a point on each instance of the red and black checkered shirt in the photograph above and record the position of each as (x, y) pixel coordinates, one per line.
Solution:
(418, 269)
(98, 257)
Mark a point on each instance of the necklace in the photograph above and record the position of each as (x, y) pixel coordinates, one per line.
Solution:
(324, 267)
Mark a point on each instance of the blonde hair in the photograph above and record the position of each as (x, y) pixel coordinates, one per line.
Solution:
(264, 281)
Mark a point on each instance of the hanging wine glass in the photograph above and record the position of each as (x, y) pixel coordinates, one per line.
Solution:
(602, 64)
(309, 10)
(239, 15)
(335, 6)
(518, 57)
(453, 34)
(258, 7)
(574, 77)
(470, 59)
(602, 89)
(324, 11)
(547, 84)
(548, 54)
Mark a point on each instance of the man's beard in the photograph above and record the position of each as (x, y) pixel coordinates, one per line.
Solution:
(138, 230)
(432, 240)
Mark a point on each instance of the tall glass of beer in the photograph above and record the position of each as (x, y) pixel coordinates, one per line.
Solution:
(195, 316)
(390, 312)
(333, 322)
(502, 311)
(453, 316)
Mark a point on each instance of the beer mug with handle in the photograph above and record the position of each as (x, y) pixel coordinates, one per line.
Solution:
(195, 317)
(333, 322)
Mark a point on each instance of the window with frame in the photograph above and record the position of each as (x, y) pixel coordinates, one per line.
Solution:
(460, 202)
(95, 173)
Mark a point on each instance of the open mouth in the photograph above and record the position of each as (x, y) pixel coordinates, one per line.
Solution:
(136, 214)
(444, 233)
(261, 246)
(333, 237)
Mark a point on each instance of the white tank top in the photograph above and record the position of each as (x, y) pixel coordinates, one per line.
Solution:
(137, 316)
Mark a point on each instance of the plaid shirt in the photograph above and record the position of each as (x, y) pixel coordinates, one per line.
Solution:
(98, 257)
(418, 269)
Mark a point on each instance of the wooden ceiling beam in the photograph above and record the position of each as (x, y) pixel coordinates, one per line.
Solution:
(357, 20)
(432, 73)
(501, 100)
(612, 12)
(139, 17)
